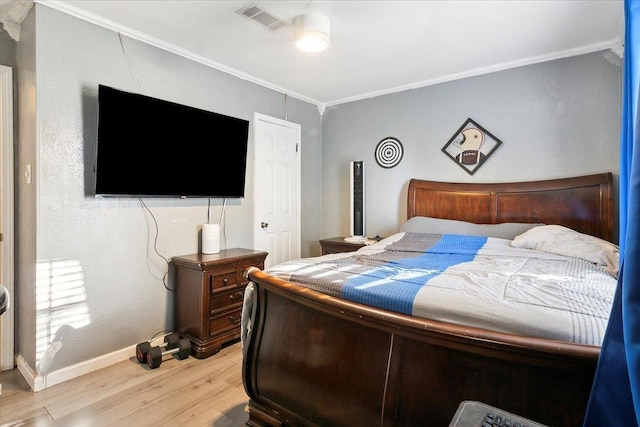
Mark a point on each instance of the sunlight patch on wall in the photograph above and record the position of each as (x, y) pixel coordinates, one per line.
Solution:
(61, 306)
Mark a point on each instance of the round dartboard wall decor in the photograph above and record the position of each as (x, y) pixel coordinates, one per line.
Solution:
(389, 152)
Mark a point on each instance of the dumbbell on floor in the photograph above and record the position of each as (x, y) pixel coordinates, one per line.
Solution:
(170, 341)
(182, 350)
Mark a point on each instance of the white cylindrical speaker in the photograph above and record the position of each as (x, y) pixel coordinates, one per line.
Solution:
(210, 238)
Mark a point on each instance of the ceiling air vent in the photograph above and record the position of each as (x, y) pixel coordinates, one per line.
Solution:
(261, 17)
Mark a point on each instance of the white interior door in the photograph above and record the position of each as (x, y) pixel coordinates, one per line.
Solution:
(6, 215)
(277, 188)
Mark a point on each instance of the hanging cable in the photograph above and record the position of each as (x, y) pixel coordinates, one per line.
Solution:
(155, 245)
(224, 205)
(222, 219)
(124, 52)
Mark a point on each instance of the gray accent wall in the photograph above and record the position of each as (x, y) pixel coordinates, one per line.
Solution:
(91, 273)
(555, 119)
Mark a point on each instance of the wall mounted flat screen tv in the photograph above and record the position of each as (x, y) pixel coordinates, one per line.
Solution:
(156, 148)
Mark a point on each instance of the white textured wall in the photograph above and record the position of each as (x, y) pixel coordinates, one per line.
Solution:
(555, 119)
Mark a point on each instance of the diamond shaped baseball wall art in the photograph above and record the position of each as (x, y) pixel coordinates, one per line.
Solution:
(471, 146)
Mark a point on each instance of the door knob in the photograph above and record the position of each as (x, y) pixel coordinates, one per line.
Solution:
(264, 225)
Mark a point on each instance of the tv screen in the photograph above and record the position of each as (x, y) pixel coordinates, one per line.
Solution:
(151, 147)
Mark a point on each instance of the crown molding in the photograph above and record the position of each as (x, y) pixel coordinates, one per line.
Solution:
(614, 46)
(12, 17)
(153, 41)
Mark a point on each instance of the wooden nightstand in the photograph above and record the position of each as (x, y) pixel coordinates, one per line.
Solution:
(338, 244)
(209, 296)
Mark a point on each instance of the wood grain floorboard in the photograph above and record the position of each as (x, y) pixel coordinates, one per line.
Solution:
(191, 392)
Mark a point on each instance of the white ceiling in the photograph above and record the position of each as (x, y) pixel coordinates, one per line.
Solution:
(376, 47)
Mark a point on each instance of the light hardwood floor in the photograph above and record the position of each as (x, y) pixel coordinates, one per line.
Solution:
(189, 392)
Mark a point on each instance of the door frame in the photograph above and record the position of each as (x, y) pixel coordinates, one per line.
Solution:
(278, 122)
(7, 321)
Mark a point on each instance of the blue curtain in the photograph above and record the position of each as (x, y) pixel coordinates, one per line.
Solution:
(615, 395)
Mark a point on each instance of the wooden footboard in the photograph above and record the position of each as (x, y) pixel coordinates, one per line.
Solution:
(312, 359)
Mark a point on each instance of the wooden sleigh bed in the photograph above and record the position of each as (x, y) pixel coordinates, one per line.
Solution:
(313, 359)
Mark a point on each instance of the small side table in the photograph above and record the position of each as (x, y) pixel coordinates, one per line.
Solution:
(338, 244)
(209, 296)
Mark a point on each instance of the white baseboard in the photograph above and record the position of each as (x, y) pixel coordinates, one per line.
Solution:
(34, 381)
(39, 382)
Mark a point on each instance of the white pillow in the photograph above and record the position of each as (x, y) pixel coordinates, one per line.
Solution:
(565, 241)
(429, 225)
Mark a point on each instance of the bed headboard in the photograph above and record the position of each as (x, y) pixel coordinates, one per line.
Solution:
(583, 203)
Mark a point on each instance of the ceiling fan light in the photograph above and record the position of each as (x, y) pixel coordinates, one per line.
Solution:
(312, 31)
(312, 41)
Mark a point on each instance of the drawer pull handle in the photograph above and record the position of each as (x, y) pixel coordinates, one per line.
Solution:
(234, 320)
(225, 281)
(236, 295)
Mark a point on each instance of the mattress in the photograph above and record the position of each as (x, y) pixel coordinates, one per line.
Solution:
(477, 281)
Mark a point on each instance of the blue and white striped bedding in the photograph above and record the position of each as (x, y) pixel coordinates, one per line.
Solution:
(476, 281)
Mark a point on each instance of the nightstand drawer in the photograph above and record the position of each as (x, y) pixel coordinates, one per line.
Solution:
(226, 320)
(225, 298)
(222, 280)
